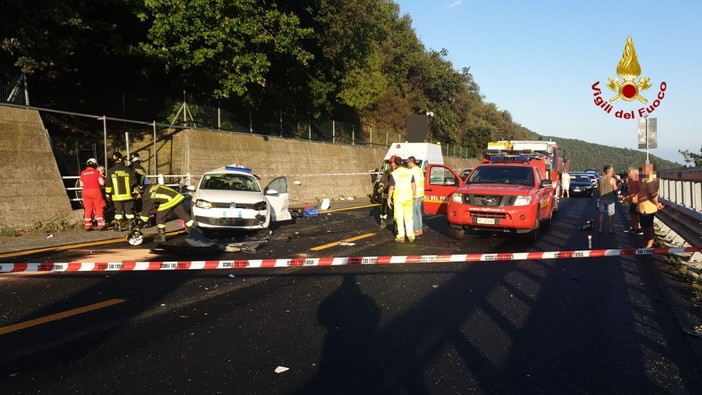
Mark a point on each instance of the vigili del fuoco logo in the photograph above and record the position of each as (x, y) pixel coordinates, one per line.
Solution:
(629, 86)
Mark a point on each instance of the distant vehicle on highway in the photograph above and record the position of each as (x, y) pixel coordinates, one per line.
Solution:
(581, 184)
(230, 197)
(593, 172)
(594, 178)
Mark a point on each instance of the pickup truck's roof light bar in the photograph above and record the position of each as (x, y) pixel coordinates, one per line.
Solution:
(509, 158)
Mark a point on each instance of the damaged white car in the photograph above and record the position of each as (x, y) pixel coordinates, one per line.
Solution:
(231, 198)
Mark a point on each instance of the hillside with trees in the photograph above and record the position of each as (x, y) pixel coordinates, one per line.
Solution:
(354, 61)
(583, 155)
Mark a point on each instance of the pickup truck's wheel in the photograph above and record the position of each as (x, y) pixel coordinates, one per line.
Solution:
(546, 224)
(456, 232)
(531, 237)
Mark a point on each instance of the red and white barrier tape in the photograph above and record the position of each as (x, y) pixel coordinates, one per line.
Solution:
(330, 261)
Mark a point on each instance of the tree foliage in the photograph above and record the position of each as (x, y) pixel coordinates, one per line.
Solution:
(357, 61)
(226, 45)
(691, 157)
(583, 155)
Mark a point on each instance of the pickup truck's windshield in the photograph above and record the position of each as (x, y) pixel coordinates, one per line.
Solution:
(503, 175)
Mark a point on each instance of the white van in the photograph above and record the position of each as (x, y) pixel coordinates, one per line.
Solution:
(425, 153)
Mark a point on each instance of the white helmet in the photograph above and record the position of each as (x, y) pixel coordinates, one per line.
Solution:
(92, 162)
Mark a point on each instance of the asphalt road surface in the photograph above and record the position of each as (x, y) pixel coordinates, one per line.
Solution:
(565, 326)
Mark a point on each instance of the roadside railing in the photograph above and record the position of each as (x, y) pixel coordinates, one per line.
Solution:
(170, 180)
(681, 193)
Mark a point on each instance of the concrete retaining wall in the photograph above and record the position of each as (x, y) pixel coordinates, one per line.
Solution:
(314, 170)
(32, 190)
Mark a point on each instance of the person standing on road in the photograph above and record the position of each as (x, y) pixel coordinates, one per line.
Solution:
(93, 203)
(383, 184)
(119, 186)
(565, 184)
(135, 164)
(608, 196)
(168, 200)
(632, 195)
(417, 205)
(141, 179)
(401, 191)
(648, 204)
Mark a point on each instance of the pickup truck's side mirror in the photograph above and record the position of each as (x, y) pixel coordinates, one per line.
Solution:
(546, 183)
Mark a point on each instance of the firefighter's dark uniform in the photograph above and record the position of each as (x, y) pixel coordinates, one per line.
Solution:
(384, 209)
(141, 181)
(168, 200)
(140, 173)
(119, 187)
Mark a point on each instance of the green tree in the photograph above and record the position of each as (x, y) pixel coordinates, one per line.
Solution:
(691, 157)
(222, 45)
(77, 54)
(39, 34)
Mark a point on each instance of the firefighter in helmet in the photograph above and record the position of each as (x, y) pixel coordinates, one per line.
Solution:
(135, 164)
(168, 200)
(382, 188)
(120, 183)
(141, 179)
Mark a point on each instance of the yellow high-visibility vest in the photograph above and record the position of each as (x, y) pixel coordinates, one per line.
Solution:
(402, 191)
(418, 180)
(119, 182)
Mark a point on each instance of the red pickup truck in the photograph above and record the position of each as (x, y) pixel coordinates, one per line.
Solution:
(507, 193)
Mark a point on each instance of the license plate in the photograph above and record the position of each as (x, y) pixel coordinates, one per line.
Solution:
(486, 221)
(236, 213)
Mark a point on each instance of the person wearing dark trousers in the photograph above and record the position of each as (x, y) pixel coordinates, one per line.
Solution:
(119, 188)
(385, 210)
(632, 195)
(648, 204)
(142, 179)
(168, 200)
(608, 197)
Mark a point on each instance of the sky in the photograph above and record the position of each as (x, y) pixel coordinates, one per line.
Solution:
(539, 60)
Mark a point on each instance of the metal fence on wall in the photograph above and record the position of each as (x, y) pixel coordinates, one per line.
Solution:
(98, 136)
(13, 89)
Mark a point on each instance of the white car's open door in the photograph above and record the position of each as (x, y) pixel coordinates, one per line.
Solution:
(277, 196)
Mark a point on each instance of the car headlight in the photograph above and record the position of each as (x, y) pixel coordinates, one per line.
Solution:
(260, 206)
(457, 197)
(522, 201)
(203, 204)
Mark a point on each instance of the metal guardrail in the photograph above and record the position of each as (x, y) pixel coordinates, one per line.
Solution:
(681, 193)
(184, 179)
